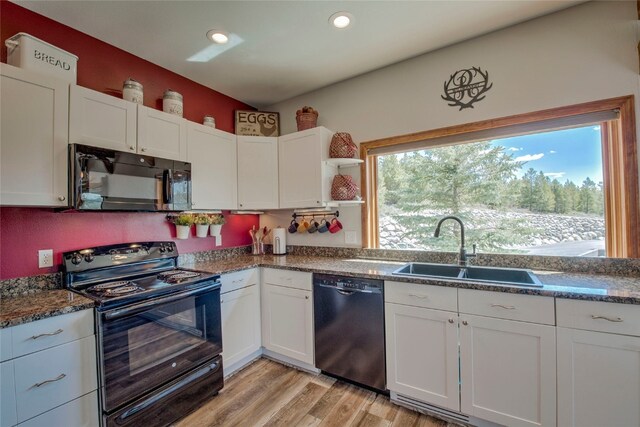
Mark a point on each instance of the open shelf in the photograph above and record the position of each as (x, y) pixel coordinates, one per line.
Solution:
(335, 203)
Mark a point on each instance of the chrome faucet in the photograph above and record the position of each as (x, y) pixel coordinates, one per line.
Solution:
(463, 256)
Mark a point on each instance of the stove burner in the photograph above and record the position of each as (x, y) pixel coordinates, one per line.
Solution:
(122, 287)
(177, 276)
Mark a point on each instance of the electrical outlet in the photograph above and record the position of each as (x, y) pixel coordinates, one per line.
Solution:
(45, 258)
(350, 237)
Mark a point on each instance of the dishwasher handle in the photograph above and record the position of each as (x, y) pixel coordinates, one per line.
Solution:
(347, 292)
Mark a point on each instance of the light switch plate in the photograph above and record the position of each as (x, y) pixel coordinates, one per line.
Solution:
(45, 258)
(350, 237)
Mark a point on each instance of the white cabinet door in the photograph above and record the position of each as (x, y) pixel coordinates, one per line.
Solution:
(7, 395)
(422, 354)
(287, 322)
(161, 134)
(598, 379)
(304, 178)
(34, 132)
(101, 120)
(241, 335)
(508, 371)
(257, 172)
(214, 170)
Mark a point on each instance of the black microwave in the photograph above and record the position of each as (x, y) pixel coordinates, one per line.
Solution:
(103, 179)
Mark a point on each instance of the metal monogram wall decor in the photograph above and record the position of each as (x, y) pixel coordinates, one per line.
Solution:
(257, 123)
(466, 87)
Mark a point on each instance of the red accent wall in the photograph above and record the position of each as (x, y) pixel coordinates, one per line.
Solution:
(23, 231)
(102, 67)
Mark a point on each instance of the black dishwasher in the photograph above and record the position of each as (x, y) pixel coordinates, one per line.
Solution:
(349, 328)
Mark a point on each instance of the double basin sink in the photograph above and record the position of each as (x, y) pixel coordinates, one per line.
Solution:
(493, 275)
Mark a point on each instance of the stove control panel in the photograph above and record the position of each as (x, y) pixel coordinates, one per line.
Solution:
(114, 255)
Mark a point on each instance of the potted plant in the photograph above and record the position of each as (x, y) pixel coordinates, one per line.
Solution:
(217, 221)
(202, 222)
(183, 224)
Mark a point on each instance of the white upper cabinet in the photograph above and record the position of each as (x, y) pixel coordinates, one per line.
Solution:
(214, 172)
(101, 120)
(305, 176)
(161, 134)
(257, 172)
(34, 130)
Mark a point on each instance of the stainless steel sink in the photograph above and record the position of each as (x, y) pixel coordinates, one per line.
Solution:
(504, 276)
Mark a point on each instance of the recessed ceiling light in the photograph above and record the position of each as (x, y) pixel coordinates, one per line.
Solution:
(217, 36)
(341, 19)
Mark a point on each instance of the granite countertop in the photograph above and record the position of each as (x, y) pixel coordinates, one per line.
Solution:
(592, 287)
(29, 308)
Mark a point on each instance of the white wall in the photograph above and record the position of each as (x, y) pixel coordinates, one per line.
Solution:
(585, 53)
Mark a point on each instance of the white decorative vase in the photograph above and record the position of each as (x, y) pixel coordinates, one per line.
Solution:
(216, 229)
(183, 231)
(202, 230)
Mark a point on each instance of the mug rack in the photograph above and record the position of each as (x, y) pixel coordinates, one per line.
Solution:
(313, 215)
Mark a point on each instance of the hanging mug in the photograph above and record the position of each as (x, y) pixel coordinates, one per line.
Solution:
(293, 227)
(313, 226)
(335, 226)
(324, 226)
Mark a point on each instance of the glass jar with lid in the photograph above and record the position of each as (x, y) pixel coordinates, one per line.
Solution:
(172, 102)
(132, 91)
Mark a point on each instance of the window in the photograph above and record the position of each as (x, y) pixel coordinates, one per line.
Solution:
(559, 182)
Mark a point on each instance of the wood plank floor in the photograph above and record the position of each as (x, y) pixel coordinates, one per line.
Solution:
(267, 393)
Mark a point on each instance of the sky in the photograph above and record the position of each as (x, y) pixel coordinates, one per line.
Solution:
(570, 154)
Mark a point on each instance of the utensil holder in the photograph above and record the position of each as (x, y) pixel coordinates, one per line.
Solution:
(257, 248)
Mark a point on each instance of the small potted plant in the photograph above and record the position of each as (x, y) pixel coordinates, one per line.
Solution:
(202, 222)
(183, 224)
(217, 221)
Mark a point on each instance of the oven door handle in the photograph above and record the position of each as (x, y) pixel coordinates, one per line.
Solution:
(145, 306)
(180, 384)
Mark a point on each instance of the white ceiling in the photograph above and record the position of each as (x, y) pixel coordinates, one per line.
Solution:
(288, 47)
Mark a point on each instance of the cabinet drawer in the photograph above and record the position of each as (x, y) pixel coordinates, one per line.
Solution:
(239, 279)
(51, 377)
(81, 412)
(438, 297)
(288, 278)
(7, 395)
(526, 308)
(599, 316)
(35, 336)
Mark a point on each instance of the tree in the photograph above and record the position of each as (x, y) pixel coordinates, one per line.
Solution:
(528, 189)
(559, 197)
(391, 178)
(587, 196)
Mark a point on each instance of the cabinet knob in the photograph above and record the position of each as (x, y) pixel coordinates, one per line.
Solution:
(306, 297)
(193, 203)
(132, 148)
(450, 320)
(143, 149)
(465, 323)
(241, 205)
(62, 198)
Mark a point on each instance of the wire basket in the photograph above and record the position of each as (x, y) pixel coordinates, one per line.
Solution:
(342, 146)
(343, 188)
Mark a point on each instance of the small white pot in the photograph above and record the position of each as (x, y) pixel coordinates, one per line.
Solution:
(202, 230)
(183, 231)
(216, 229)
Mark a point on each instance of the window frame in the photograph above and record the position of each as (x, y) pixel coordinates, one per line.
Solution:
(620, 168)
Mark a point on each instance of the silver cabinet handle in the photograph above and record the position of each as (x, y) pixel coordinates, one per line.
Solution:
(419, 296)
(62, 198)
(450, 320)
(465, 323)
(143, 149)
(610, 319)
(306, 297)
(131, 147)
(58, 378)
(506, 307)
(59, 331)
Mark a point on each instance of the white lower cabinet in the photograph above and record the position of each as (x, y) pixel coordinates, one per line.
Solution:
(508, 371)
(51, 379)
(287, 314)
(422, 354)
(241, 332)
(598, 364)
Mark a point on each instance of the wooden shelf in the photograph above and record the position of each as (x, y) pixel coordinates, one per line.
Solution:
(335, 203)
(344, 163)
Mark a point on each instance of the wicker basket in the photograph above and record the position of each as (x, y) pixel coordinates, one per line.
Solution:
(342, 146)
(343, 188)
(306, 121)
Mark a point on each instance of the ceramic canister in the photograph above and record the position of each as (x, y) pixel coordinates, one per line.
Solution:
(132, 91)
(209, 121)
(172, 102)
